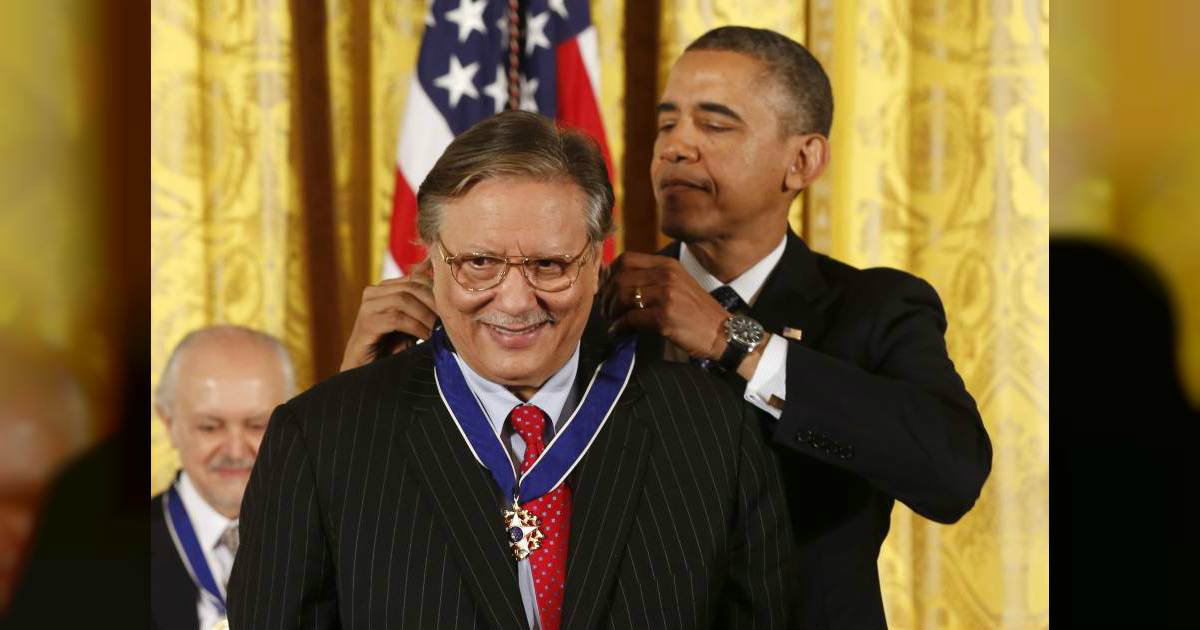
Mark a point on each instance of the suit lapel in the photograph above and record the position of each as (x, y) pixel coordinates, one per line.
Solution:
(465, 498)
(174, 595)
(795, 294)
(605, 495)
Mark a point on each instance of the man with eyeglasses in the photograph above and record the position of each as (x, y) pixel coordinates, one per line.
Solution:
(514, 471)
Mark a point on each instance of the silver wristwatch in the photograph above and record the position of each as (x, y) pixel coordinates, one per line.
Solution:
(742, 336)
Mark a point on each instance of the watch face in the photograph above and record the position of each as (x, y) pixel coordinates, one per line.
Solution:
(745, 331)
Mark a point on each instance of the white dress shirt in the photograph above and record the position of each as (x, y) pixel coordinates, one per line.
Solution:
(556, 398)
(770, 376)
(209, 524)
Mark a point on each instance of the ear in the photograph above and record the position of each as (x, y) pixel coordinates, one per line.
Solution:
(810, 155)
(163, 415)
(168, 421)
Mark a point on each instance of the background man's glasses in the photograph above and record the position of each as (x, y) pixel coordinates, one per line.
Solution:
(480, 272)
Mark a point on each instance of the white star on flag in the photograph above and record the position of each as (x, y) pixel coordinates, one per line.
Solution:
(469, 17)
(498, 89)
(536, 35)
(528, 92)
(458, 81)
(502, 26)
(558, 7)
(462, 78)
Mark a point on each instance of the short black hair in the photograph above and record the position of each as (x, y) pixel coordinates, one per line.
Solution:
(798, 73)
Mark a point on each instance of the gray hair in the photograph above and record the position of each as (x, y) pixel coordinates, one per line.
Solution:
(800, 77)
(517, 144)
(165, 392)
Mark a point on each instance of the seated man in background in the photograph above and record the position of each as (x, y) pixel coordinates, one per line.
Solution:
(215, 397)
(514, 472)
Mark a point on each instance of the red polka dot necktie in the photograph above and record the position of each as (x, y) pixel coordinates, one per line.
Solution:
(553, 509)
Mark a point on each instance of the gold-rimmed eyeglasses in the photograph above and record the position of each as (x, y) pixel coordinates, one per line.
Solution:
(476, 271)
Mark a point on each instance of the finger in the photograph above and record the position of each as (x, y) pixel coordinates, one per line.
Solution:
(625, 290)
(630, 277)
(388, 297)
(420, 307)
(647, 319)
(638, 260)
(610, 303)
(404, 304)
(416, 301)
(402, 322)
(639, 298)
(387, 287)
(424, 293)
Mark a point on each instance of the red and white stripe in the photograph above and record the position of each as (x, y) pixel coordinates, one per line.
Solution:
(425, 135)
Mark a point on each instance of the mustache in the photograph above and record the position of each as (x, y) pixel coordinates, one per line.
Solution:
(231, 462)
(525, 320)
(674, 179)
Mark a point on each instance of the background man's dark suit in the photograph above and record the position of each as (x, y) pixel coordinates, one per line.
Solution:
(172, 592)
(875, 411)
(366, 509)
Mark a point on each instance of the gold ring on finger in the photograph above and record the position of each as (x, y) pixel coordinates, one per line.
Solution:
(637, 297)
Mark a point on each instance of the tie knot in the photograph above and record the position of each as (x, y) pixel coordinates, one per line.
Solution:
(728, 298)
(229, 539)
(529, 421)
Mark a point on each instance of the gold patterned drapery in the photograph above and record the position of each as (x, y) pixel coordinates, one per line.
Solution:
(273, 162)
(941, 167)
(945, 120)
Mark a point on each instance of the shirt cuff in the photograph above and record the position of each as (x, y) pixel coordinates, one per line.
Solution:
(769, 383)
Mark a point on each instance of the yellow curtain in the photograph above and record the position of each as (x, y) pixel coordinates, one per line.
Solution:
(226, 246)
(940, 167)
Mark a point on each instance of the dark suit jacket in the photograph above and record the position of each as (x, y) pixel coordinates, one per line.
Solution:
(172, 592)
(875, 411)
(366, 510)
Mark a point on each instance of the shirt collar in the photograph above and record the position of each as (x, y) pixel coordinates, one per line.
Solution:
(748, 285)
(497, 401)
(208, 523)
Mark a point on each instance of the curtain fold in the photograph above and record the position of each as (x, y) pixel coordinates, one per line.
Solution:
(226, 228)
(941, 168)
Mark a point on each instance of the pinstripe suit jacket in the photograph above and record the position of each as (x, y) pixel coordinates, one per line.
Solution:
(366, 510)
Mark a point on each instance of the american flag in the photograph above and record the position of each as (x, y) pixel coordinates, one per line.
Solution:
(469, 67)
